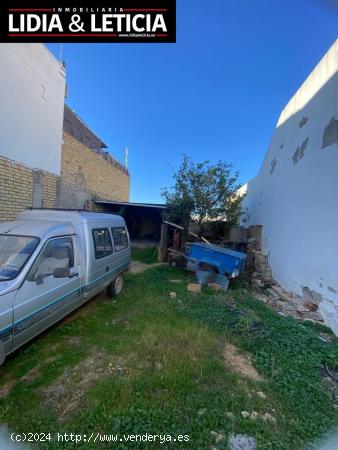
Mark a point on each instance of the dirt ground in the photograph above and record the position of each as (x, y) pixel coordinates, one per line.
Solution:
(139, 267)
(240, 363)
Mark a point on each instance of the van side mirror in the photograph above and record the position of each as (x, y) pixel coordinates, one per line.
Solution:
(61, 272)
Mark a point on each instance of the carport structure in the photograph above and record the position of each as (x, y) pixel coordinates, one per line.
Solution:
(144, 220)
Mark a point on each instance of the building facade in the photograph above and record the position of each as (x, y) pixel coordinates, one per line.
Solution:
(48, 157)
(32, 92)
(88, 171)
(295, 194)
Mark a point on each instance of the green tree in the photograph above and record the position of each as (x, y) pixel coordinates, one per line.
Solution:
(202, 192)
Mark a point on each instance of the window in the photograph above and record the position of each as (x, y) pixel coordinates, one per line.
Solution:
(120, 238)
(57, 253)
(102, 243)
(14, 253)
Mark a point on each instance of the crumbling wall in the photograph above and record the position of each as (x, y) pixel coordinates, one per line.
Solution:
(295, 194)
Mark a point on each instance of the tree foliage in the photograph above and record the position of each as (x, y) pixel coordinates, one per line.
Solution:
(202, 192)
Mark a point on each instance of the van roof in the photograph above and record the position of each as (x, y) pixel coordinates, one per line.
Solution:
(62, 215)
(34, 228)
(46, 223)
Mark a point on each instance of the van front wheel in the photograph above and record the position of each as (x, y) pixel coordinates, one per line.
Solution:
(115, 287)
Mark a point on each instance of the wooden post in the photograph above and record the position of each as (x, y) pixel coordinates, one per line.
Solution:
(176, 240)
(162, 253)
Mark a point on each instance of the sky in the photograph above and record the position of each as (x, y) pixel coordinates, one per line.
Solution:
(216, 94)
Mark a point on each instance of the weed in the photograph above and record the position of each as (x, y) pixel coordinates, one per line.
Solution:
(162, 370)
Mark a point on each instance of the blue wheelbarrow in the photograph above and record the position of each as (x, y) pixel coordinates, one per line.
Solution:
(213, 263)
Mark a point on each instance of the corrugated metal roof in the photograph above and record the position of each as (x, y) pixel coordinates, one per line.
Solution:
(144, 205)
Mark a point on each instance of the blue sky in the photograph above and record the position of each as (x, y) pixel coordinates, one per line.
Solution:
(216, 94)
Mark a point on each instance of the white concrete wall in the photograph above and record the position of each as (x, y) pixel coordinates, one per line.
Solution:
(32, 90)
(295, 195)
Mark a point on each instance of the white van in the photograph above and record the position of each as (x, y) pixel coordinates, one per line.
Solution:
(51, 262)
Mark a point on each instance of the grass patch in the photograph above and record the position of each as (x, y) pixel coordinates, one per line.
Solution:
(150, 364)
(144, 255)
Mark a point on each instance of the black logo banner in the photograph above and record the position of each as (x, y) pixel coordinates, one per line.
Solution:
(143, 21)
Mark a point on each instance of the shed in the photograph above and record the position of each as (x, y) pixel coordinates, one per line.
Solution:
(143, 220)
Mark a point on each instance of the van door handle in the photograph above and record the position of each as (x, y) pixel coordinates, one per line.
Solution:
(73, 275)
(107, 269)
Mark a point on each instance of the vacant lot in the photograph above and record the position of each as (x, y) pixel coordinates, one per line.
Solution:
(202, 365)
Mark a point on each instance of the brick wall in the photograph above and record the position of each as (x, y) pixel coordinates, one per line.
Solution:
(16, 187)
(49, 189)
(81, 166)
(85, 176)
(17, 183)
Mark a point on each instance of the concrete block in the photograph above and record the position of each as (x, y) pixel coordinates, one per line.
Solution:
(216, 287)
(307, 307)
(261, 258)
(194, 287)
(281, 294)
(273, 293)
(256, 282)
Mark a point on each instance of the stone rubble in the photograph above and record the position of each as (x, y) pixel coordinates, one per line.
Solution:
(288, 304)
(270, 292)
(242, 442)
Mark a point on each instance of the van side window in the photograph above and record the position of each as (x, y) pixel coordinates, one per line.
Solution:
(57, 253)
(120, 238)
(102, 243)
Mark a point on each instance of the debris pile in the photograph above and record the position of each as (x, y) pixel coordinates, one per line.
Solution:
(262, 273)
(207, 259)
(269, 291)
(289, 304)
(257, 262)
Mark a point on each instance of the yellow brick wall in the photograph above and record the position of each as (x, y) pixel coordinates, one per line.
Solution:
(16, 186)
(49, 189)
(16, 189)
(82, 166)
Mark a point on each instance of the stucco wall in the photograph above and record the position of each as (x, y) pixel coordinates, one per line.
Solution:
(295, 194)
(86, 174)
(32, 90)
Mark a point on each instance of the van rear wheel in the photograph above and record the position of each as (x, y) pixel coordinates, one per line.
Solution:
(115, 287)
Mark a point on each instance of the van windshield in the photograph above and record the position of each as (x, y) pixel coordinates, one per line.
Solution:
(14, 253)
